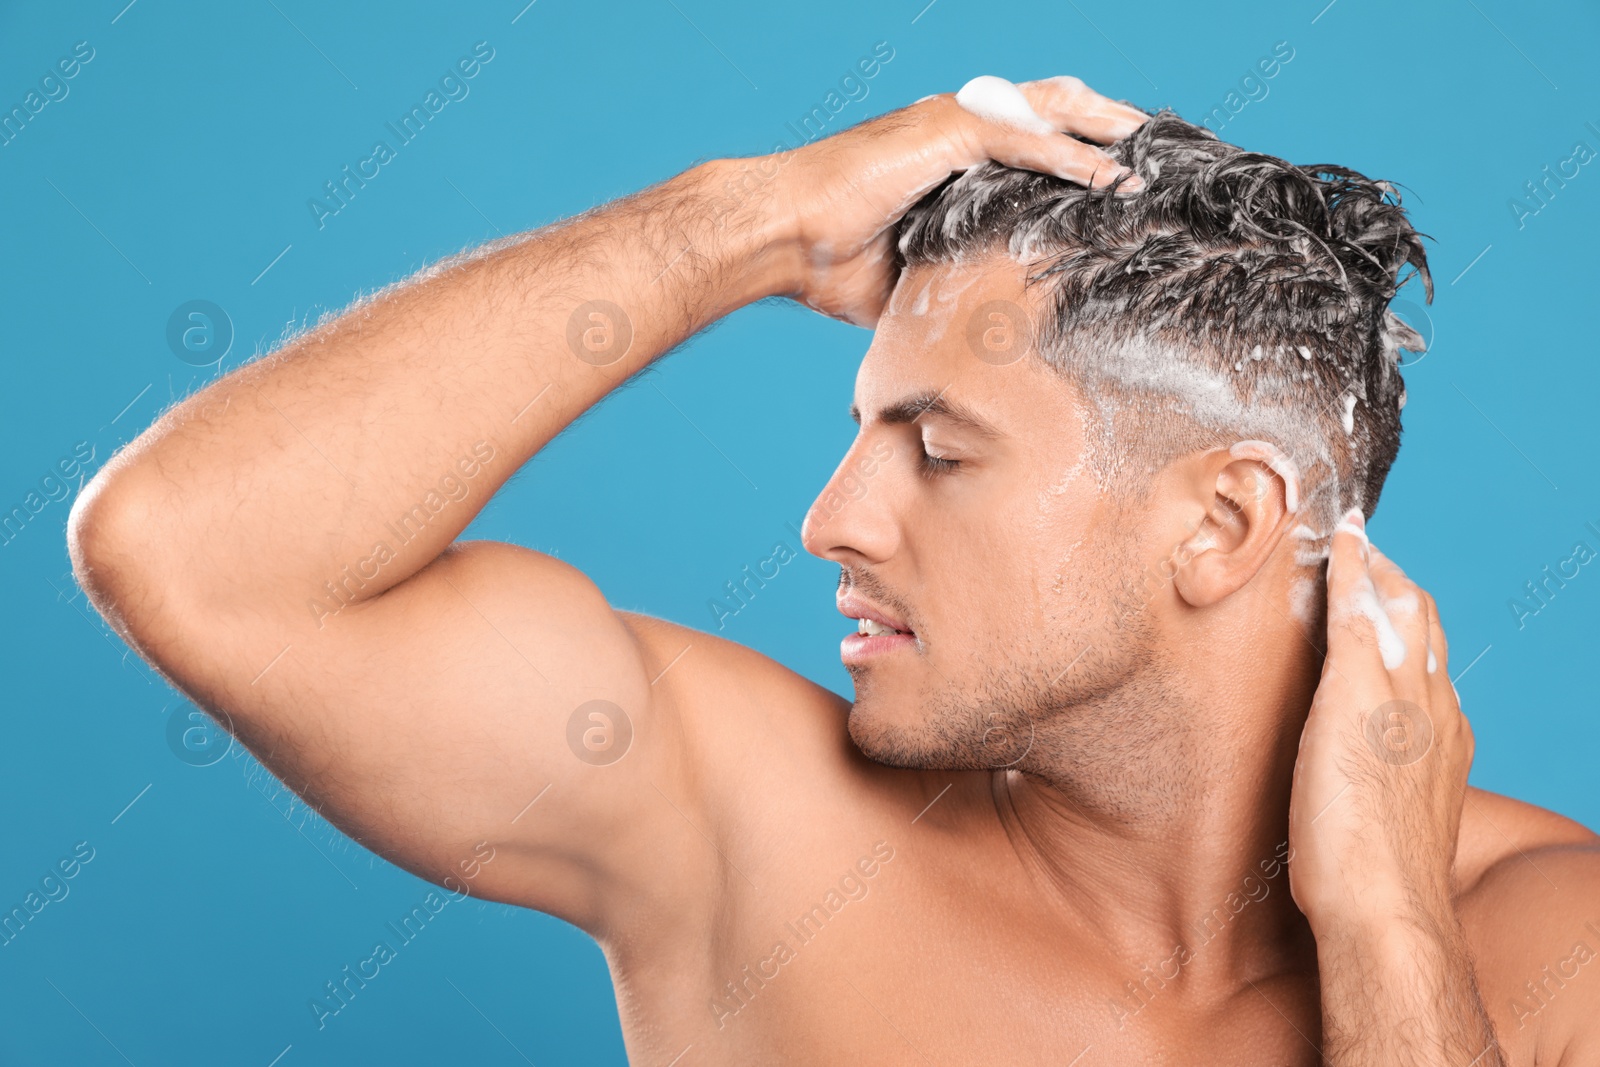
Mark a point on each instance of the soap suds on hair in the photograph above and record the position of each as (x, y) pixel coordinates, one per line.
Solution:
(1313, 548)
(1143, 377)
(1310, 557)
(1197, 313)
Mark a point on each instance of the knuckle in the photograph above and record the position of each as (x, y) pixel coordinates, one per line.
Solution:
(1069, 84)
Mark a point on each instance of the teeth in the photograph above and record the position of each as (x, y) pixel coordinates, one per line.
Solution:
(869, 628)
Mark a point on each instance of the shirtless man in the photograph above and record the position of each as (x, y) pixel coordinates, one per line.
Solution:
(1101, 799)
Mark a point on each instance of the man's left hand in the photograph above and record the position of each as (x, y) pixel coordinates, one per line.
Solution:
(1382, 768)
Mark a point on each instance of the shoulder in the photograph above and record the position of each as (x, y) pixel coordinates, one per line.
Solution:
(768, 777)
(758, 738)
(1529, 904)
(710, 677)
(1499, 830)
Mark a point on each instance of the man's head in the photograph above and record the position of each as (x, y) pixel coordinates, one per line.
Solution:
(1173, 395)
(1236, 294)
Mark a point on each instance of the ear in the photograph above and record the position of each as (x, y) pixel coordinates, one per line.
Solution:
(1250, 494)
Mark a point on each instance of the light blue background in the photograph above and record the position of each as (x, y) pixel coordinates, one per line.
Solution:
(179, 167)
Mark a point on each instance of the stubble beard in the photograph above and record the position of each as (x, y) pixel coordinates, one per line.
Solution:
(1093, 707)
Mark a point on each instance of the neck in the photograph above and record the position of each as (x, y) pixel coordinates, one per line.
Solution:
(1161, 817)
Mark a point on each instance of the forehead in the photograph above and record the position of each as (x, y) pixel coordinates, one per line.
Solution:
(965, 332)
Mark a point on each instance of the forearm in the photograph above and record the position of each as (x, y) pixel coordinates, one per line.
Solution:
(1401, 992)
(284, 475)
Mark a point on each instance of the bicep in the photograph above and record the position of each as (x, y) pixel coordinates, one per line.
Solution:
(492, 704)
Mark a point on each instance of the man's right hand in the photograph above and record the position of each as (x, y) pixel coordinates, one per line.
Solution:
(845, 193)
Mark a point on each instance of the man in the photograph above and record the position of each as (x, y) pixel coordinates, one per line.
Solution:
(1101, 798)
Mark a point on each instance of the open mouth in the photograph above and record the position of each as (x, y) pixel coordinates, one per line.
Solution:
(877, 631)
(873, 639)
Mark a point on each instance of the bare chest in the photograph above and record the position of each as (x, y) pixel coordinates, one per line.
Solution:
(868, 972)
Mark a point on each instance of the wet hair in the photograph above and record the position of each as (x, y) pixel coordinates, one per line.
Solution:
(1235, 296)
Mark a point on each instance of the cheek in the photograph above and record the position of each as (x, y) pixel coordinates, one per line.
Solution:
(1066, 509)
(1005, 587)
(1064, 580)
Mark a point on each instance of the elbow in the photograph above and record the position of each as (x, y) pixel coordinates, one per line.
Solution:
(108, 558)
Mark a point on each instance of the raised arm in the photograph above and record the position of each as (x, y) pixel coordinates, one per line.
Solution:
(280, 544)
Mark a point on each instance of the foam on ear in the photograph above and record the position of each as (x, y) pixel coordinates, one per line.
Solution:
(997, 100)
(1281, 465)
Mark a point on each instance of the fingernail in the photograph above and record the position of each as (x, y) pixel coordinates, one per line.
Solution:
(1130, 180)
(1355, 517)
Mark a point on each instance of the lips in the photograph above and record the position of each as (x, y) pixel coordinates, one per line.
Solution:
(878, 632)
(853, 607)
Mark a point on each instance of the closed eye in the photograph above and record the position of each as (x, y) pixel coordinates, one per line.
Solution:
(933, 465)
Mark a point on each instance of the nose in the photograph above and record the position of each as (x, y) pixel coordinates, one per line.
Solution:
(853, 519)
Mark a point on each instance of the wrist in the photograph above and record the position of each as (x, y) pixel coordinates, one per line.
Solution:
(1358, 886)
(757, 237)
(1382, 917)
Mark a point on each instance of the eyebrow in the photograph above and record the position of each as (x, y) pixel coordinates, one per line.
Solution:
(911, 408)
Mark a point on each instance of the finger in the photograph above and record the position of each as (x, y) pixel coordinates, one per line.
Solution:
(1449, 721)
(1438, 665)
(1063, 157)
(1011, 132)
(1441, 690)
(1402, 601)
(1358, 630)
(1415, 615)
(1068, 104)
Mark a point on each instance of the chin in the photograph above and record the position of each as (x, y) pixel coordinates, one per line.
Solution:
(886, 743)
(920, 734)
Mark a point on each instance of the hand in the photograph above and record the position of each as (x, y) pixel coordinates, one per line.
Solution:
(1382, 769)
(842, 195)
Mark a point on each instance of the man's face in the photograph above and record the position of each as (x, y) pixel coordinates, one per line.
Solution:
(966, 516)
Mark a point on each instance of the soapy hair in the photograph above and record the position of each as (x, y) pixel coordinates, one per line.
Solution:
(1235, 296)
